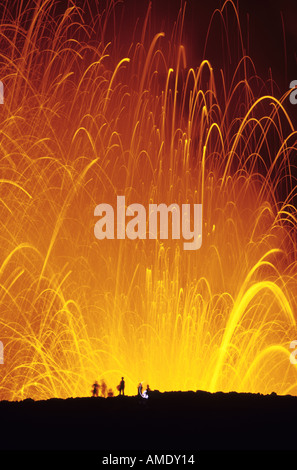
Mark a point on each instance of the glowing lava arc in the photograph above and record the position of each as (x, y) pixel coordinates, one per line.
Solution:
(83, 123)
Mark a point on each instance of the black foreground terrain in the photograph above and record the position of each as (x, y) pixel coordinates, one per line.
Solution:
(183, 421)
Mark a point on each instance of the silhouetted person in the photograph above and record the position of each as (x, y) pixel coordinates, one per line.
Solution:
(122, 386)
(140, 389)
(148, 390)
(95, 390)
(110, 393)
(142, 396)
(103, 388)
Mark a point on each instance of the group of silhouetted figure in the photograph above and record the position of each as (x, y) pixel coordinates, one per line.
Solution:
(145, 393)
(103, 386)
(121, 389)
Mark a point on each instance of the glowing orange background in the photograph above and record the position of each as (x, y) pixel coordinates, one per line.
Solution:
(87, 117)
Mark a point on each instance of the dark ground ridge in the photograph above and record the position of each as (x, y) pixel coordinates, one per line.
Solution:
(183, 421)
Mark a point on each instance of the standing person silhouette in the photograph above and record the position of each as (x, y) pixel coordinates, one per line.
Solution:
(140, 389)
(95, 389)
(103, 388)
(122, 386)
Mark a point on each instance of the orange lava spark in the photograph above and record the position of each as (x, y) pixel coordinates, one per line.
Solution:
(82, 123)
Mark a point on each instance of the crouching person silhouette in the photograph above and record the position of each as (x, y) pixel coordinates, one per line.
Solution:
(142, 396)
